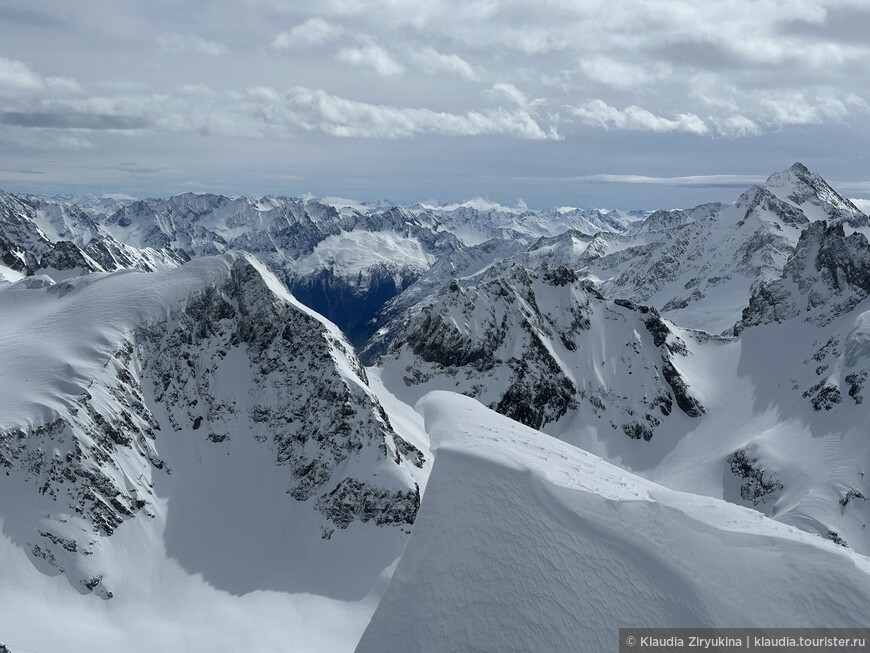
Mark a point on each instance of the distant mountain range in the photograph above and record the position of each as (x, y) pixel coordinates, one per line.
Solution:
(279, 404)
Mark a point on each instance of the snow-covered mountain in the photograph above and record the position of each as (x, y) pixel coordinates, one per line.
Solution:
(200, 414)
(59, 239)
(701, 274)
(101, 206)
(761, 419)
(542, 346)
(186, 430)
(344, 264)
(477, 221)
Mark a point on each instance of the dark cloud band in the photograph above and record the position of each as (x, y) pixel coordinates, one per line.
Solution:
(72, 120)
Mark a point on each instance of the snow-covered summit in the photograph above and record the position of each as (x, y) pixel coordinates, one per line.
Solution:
(810, 193)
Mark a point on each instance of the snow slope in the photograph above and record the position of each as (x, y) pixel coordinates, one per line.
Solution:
(525, 543)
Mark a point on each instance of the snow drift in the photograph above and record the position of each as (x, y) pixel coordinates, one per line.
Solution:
(525, 543)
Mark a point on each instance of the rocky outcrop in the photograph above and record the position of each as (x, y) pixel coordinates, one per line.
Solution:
(828, 276)
(757, 485)
(527, 343)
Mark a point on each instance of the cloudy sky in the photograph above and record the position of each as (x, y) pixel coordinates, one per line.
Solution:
(622, 103)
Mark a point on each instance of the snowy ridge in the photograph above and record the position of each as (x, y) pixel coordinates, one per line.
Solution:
(138, 389)
(525, 543)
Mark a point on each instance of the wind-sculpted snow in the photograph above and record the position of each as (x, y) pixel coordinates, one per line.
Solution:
(524, 543)
(134, 388)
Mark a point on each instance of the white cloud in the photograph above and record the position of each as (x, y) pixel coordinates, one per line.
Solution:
(736, 126)
(62, 85)
(801, 109)
(600, 114)
(18, 79)
(373, 57)
(312, 33)
(621, 74)
(431, 61)
(863, 205)
(512, 93)
(320, 111)
(181, 43)
(739, 181)
(15, 76)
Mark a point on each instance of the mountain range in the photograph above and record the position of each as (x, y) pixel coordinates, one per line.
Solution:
(334, 425)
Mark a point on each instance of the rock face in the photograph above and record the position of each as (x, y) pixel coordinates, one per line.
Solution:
(295, 361)
(22, 243)
(42, 235)
(215, 353)
(755, 486)
(540, 346)
(828, 276)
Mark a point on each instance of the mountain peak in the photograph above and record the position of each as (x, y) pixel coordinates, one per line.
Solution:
(799, 168)
(795, 175)
(810, 193)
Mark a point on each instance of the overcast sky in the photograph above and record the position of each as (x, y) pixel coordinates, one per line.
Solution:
(627, 104)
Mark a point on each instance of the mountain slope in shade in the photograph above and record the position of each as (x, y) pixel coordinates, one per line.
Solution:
(527, 544)
(206, 413)
(542, 346)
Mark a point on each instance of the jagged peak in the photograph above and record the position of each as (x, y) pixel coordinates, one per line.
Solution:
(799, 189)
(795, 175)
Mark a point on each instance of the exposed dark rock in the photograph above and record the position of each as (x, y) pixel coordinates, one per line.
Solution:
(756, 486)
(828, 275)
(851, 494)
(355, 500)
(560, 276)
(687, 403)
(834, 536)
(293, 359)
(66, 256)
(638, 431)
(823, 395)
(856, 382)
